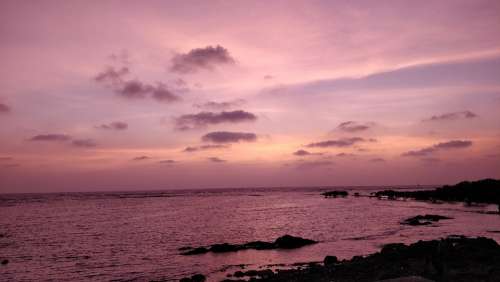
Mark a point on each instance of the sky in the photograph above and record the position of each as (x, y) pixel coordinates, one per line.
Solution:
(146, 95)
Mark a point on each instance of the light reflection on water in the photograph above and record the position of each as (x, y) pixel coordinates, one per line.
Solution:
(105, 236)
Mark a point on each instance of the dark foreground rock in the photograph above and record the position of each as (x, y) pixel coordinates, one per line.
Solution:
(283, 242)
(335, 194)
(424, 219)
(456, 258)
(194, 278)
(482, 191)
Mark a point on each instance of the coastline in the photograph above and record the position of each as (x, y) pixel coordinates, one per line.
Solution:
(453, 258)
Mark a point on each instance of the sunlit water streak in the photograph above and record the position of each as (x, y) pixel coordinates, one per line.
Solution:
(123, 236)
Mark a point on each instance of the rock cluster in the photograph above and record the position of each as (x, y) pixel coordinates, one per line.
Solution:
(424, 219)
(482, 191)
(335, 194)
(283, 242)
(455, 258)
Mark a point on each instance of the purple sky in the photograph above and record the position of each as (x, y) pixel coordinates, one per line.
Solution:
(131, 95)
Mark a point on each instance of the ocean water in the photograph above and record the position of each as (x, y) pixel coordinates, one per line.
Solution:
(136, 236)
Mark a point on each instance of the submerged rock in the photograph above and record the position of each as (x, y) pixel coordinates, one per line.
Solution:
(283, 242)
(424, 219)
(5, 262)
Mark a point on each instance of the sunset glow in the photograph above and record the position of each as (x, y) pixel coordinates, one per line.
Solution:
(120, 95)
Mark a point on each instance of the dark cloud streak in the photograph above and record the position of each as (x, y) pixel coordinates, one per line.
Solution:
(229, 137)
(352, 126)
(116, 125)
(343, 142)
(453, 144)
(192, 121)
(453, 116)
(190, 149)
(50, 138)
(85, 143)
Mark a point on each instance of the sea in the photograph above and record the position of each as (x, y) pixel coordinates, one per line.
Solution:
(136, 236)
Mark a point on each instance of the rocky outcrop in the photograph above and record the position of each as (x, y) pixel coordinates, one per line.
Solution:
(335, 194)
(424, 219)
(455, 258)
(283, 242)
(482, 191)
(194, 278)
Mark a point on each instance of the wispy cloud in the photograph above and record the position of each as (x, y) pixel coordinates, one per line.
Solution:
(201, 58)
(343, 142)
(192, 121)
(141, 158)
(191, 149)
(134, 88)
(452, 116)
(50, 138)
(216, 160)
(302, 153)
(86, 143)
(218, 106)
(345, 155)
(453, 144)
(229, 137)
(353, 126)
(116, 125)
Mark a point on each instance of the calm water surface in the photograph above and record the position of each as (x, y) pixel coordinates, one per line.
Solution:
(136, 236)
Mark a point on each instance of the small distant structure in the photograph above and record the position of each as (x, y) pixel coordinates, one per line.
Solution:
(335, 194)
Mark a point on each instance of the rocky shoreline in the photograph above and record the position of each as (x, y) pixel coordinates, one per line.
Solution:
(485, 191)
(455, 258)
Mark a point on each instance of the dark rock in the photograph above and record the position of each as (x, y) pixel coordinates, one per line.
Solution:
(224, 248)
(194, 278)
(259, 245)
(196, 251)
(330, 260)
(482, 191)
(239, 273)
(291, 242)
(284, 242)
(5, 262)
(335, 194)
(456, 258)
(423, 219)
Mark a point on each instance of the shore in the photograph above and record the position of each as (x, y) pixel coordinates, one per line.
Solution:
(454, 258)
